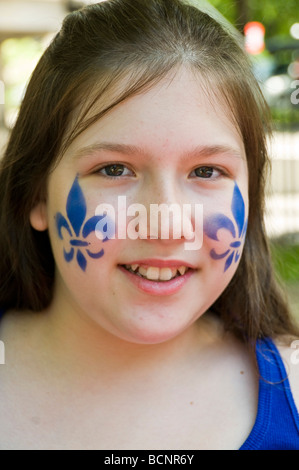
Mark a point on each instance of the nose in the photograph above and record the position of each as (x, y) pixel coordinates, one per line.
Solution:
(168, 218)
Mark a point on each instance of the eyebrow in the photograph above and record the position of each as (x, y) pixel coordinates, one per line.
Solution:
(125, 149)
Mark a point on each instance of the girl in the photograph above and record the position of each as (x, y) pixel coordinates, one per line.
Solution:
(141, 342)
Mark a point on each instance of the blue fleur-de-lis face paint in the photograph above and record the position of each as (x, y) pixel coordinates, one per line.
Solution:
(237, 227)
(78, 228)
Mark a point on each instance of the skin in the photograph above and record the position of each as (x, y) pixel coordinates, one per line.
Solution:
(111, 366)
(166, 123)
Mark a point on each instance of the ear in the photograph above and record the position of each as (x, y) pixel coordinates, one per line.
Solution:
(38, 217)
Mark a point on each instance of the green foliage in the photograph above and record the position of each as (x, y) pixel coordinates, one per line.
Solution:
(277, 15)
(286, 261)
(227, 8)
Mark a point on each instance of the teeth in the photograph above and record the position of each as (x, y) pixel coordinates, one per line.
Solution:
(157, 274)
(151, 273)
(142, 271)
(182, 270)
(167, 273)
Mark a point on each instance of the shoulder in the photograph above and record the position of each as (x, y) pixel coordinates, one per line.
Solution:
(17, 330)
(288, 348)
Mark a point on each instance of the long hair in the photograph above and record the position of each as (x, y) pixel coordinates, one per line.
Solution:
(134, 43)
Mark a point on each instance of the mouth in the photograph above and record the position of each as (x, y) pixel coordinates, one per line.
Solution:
(157, 274)
(155, 277)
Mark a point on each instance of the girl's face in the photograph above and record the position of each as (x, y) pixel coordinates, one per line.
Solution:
(168, 145)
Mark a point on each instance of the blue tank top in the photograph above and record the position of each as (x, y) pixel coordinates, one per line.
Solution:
(277, 422)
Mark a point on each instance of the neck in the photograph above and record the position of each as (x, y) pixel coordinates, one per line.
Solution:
(74, 343)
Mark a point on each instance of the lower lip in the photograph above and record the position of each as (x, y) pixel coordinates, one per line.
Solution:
(158, 288)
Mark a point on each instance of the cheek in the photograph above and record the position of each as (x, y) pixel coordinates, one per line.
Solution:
(225, 231)
(78, 233)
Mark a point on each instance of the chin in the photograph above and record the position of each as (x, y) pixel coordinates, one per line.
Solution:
(152, 335)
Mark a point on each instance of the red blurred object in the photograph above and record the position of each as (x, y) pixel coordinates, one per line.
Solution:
(254, 37)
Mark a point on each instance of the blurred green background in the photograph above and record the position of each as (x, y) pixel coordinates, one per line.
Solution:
(277, 15)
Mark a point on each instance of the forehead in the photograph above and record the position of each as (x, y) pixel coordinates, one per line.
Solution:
(172, 115)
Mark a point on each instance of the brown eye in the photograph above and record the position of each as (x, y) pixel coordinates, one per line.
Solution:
(204, 171)
(115, 170)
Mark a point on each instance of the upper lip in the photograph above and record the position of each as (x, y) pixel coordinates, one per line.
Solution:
(161, 263)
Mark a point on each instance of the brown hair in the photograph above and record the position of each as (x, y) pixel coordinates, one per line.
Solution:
(96, 48)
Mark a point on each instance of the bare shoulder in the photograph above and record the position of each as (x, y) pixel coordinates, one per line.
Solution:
(289, 351)
(15, 321)
(17, 332)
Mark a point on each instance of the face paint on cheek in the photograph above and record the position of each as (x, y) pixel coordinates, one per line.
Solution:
(77, 228)
(237, 227)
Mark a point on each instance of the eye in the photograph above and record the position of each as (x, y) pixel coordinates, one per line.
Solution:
(207, 172)
(115, 170)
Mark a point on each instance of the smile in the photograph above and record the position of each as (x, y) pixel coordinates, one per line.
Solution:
(158, 278)
(153, 273)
